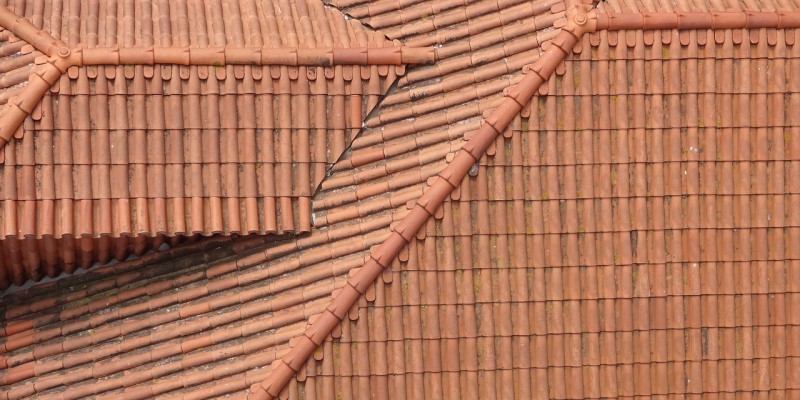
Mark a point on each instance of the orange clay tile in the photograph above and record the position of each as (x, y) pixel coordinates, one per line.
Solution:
(116, 144)
(624, 230)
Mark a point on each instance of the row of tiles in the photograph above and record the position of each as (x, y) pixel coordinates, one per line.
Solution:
(32, 258)
(433, 259)
(443, 325)
(417, 165)
(130, 152)
(484, 183)
(357, 370)
(647, 284)
(183, 23)
(423, 22)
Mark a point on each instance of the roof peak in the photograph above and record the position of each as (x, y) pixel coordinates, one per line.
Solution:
(59, 58)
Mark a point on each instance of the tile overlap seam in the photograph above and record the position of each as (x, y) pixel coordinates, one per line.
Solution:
(440, 186)
(580, 21)
(59, 58)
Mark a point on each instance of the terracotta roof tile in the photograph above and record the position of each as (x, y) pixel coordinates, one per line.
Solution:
(241, 146)
(374, 203)
(602, 247)
(567, 379)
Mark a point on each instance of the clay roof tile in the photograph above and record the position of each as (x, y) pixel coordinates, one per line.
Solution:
(148, 186)
(559, 199)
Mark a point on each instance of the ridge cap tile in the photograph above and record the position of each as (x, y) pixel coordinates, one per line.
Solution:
(160, 215)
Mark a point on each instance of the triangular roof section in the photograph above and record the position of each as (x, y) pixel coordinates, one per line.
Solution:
(152, 121)
(550, 271)
(581, 19)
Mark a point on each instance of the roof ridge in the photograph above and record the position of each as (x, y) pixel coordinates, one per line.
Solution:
(580, 20)
(441, 185)
(38, 38)
(60, 58)
(313, 51)
(20, 106)
(713, 20)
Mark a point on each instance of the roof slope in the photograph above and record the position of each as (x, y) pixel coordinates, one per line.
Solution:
(611, 246)
(635, 235)
(353, 211)
(138, 149)
(546, 230)
(17, 59)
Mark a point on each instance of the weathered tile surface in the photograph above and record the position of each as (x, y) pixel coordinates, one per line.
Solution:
(136, 152)
(633, 234)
